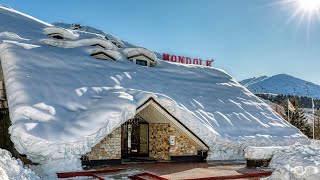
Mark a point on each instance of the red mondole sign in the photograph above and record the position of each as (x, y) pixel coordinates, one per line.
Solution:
(186, 60)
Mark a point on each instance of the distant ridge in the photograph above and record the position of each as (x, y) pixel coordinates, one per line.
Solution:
(282, 84)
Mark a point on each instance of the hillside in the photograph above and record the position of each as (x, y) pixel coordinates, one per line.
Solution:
(282, 84)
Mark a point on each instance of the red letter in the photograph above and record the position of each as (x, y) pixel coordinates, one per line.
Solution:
(174, 58)
(200, 60)
(166, 57)
(195, 61)
(208, 62)
(188, 60)
(181, 59)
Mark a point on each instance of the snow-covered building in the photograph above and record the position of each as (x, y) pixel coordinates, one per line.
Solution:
(141, 56)
(59, 33)
(65, 106)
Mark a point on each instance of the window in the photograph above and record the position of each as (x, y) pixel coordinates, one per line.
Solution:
(141, 62)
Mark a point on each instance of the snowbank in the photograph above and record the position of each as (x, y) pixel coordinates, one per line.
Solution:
(296, 162)
(11, 168)
(258, 153)
(62, 102)
(290, 162)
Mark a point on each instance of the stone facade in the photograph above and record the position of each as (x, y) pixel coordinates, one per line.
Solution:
(108, 148)
(183, 146)
(159, 141)
(159, 144)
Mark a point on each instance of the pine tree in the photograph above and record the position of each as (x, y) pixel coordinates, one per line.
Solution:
(297, 117)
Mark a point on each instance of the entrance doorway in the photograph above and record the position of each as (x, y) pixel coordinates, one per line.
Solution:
(135, 138)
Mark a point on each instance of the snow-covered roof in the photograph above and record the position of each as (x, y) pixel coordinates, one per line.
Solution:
(115, 55)
(63, 32)
(135, 52)
(62, 103)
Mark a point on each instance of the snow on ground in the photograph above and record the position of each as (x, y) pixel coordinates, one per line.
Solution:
(63, 102)
(11, 168)
(293, 162)
(296, 162)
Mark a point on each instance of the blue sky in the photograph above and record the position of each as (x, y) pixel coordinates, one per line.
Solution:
(247, 38)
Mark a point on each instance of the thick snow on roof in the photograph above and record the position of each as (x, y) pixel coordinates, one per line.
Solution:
(64, 32)
(63, 102)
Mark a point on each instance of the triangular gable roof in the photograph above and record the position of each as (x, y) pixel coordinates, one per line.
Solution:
(98, 45)
(173, 120)
(141, 54)
(103, 53)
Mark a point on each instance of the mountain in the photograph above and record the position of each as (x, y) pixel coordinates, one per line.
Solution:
(282, 84)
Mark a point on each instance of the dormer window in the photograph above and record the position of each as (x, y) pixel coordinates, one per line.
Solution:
(102, 55)
(56, 36)
(76, 26)
(141, 62)
(141, 56)
(106, 55)
(60, 33)
(98, 45)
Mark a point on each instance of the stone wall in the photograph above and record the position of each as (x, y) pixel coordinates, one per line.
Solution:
(108, 148)
(159, 141)
(159, 144)
(183, 146)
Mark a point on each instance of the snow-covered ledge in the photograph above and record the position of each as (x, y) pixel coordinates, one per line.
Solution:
(261, 153)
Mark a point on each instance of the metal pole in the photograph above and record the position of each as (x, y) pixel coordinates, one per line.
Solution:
(313, 117)
(313, 124)
(288, 112)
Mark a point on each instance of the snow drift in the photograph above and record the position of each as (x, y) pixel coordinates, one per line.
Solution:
(296, 162)
(63, 102)
(10, 168)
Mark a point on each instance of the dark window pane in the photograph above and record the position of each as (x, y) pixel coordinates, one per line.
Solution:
(141, 62)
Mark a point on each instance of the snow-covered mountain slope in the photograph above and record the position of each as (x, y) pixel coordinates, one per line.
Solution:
(282, 84)
(63, 102)
(248, 82)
